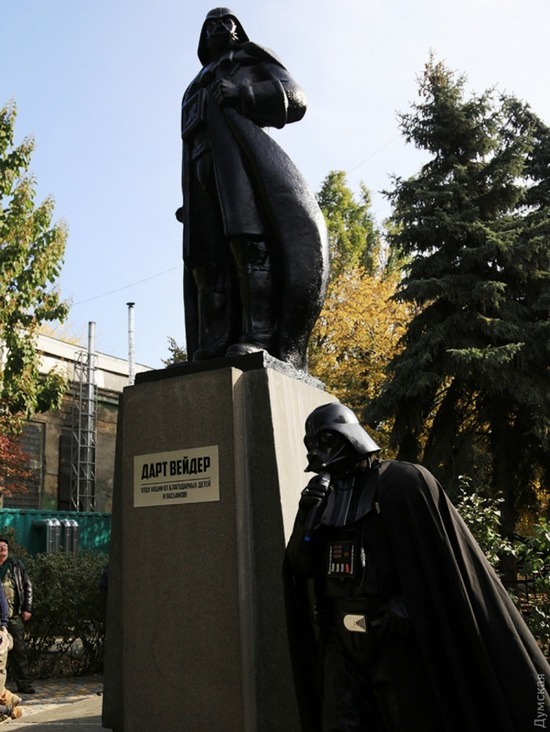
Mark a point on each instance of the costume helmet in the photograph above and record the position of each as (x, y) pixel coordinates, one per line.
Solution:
(203, 51)
(335, 417)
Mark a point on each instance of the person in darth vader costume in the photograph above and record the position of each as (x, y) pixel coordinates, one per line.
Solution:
(411, 630)
(254, 242)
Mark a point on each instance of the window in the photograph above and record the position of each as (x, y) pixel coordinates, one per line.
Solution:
(32, 442)
(65, 471)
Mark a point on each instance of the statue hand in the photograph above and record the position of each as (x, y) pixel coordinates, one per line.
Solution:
(226, 93)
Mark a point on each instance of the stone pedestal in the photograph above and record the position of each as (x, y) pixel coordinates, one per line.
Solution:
(196, 637)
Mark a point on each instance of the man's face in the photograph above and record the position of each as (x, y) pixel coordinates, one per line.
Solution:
(221, 34)
(3, 552)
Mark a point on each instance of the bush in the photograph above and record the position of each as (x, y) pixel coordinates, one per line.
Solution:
(66, 632)
(482, 515)
(531, 556)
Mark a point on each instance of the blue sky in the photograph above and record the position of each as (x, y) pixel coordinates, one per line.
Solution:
(99, 86)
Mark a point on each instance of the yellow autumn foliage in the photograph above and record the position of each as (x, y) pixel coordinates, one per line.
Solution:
(356, 335)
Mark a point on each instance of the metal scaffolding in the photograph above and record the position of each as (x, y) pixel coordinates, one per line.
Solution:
(83, 428)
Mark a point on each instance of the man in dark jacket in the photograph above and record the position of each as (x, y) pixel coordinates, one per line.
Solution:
(415, 631)
(254, 242)
(18, 590)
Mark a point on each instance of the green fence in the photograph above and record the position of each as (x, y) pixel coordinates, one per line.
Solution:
(54, 531)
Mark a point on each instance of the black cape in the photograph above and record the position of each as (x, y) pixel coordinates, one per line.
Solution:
(484, 667)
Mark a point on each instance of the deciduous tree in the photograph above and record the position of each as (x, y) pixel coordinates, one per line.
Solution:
(14, 470)
(357, 334)
(360, 324)
(31, 253)
(353, 236)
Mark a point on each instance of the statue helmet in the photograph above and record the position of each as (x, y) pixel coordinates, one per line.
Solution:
(203, 52)
(338, 418)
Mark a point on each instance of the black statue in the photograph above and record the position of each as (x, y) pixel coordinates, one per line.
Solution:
(255, 250)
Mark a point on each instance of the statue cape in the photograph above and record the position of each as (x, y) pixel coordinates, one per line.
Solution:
(263, 178)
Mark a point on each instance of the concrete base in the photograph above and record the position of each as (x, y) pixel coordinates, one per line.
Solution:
(196, 636)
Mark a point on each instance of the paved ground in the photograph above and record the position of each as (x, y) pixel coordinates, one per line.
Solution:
(67, 705)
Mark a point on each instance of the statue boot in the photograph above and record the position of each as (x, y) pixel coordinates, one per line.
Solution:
(257, 294)
(214, 324)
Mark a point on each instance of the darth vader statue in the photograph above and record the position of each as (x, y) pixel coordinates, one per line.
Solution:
(255, 246)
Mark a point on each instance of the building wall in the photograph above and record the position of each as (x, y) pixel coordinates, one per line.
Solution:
(106, 443)
(47, 437)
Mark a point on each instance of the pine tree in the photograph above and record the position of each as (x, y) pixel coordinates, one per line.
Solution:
(177, 353)
(470, 391)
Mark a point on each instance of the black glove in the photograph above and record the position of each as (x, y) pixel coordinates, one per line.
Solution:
(313, 500)
(394, 623)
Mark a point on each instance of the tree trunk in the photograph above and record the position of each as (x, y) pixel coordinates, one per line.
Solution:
(503, 482)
